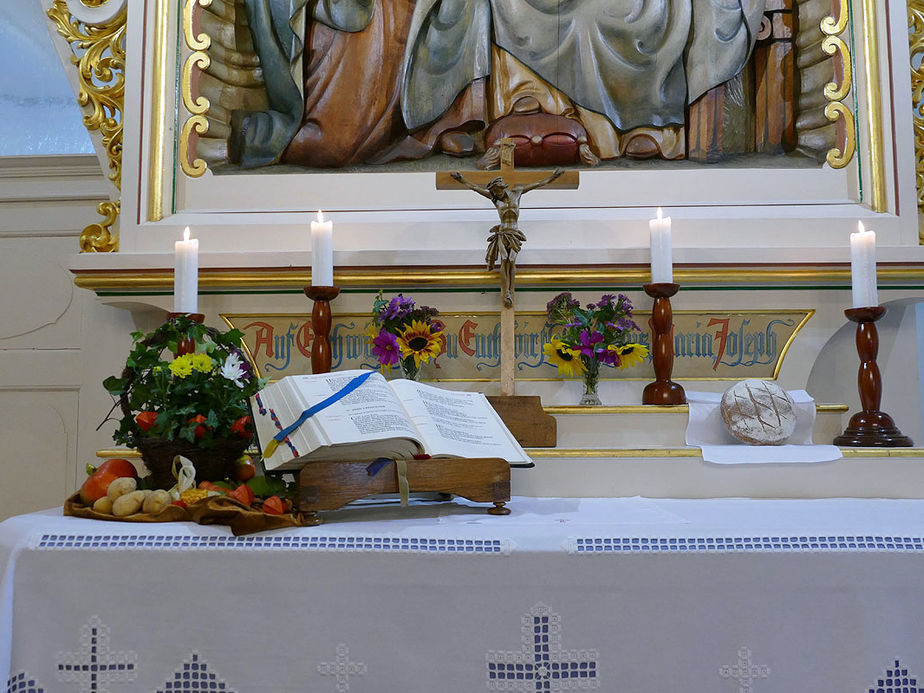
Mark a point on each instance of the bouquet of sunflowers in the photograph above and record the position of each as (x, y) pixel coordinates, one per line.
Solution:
(585, 338)
(401, 332)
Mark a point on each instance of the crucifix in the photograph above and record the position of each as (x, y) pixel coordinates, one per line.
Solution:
(505, 189)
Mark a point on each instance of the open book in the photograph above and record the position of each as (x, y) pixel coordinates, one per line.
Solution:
(379, 418)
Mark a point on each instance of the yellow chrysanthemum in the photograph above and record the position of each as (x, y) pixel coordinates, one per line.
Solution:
(181, 366)
(567, 360)
(202, 363)
(417, 341)
(630, 354)
(184, 365)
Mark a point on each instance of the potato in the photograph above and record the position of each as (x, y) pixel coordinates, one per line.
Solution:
(128, 504)
(121, 486)
(103, 505)
(156, 501)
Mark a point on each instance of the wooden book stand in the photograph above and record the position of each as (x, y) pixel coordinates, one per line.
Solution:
(331, 485)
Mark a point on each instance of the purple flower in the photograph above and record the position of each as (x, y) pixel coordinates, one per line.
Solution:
(606, 300)
(385, 347)
(627, 324)
(587, 342)
(608, 356)
(398, 308)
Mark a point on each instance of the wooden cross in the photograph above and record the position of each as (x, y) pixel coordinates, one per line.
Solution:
(504, 191)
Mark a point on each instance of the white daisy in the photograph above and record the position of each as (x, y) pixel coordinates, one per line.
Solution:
(233, 369)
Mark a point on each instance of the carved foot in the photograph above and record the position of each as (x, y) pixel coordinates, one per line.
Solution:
(587, 156)
(499, 509)
(491, 158)
(456, 143)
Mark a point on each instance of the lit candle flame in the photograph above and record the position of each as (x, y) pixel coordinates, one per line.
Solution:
(186, 234)
(320, 217)
(860, 227)
(660, 213)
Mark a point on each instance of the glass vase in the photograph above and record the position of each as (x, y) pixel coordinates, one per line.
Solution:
(410, 369)
(591, 380)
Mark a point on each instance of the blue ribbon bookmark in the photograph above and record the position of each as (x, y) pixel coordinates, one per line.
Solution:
(311, 411)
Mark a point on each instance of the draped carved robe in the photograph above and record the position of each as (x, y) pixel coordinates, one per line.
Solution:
(375, 71)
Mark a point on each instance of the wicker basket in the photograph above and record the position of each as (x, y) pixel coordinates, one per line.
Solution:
(212, 464)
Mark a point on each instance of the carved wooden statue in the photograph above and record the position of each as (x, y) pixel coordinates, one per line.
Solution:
(506, 239)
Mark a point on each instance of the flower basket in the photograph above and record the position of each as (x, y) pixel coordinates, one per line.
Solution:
(194, 404)
(212, 464)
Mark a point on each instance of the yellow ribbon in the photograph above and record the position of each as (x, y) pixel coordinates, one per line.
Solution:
(270, 448)
(403, 487)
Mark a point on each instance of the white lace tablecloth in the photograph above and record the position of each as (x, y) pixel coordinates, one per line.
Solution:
(636, 595)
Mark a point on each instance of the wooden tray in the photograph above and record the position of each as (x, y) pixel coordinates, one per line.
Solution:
(331, 485)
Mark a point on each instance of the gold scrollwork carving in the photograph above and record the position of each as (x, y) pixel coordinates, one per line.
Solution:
(833, 45)
(835, 27)
(197, 106)
(916, 40)
(99, 54)
(837, 157)
(99, 238)
(197, 42)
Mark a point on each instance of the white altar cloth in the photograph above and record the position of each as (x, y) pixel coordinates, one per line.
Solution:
(636, 595)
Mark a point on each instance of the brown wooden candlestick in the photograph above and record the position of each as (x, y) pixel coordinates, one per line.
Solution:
(663, 390)
(870, 427)
(320, 325)
(186, 346)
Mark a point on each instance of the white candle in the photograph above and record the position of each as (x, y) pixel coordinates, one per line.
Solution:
(322, 252)
(863, 268)
(662, 269)
(186, 275)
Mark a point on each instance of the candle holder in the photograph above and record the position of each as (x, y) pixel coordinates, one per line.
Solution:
(186, 346)
(663, 390)
(320, 325)
(870, 427)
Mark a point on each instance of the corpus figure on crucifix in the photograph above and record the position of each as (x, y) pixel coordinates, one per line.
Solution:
(506, 239)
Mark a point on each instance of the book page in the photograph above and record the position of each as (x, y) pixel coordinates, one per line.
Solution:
(460, 424)
(274, 409)
(371, 412)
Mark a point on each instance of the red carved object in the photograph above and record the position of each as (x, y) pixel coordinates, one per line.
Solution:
(663, 390)
(320, 326)
(187, 346)
(870, 427)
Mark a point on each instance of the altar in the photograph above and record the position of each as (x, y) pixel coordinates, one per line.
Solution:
(631, 560)
(563, 594)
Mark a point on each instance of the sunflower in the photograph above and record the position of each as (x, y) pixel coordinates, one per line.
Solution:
(567, 360)
(630, 354)
(419, 342)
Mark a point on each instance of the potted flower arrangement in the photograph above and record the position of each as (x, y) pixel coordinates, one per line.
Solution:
(586, 338)
(185, 390)
(401, 332)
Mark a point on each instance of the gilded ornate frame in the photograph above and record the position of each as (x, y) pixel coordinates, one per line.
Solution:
(95, 30)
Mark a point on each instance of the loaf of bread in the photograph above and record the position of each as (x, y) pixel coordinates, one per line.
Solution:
(758, 412)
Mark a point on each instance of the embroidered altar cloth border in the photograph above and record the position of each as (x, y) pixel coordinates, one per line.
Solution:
(564, 594)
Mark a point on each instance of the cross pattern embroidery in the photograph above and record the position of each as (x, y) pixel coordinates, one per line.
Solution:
(95, 665)
(195, 677)
(22, 684)
(744, 672)
(896, 680)
(342, 668)
(541, 664)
